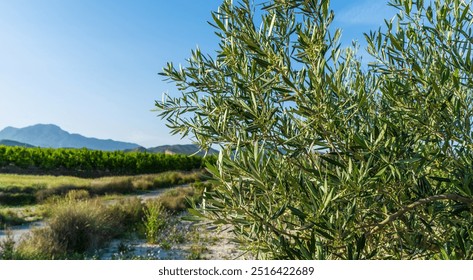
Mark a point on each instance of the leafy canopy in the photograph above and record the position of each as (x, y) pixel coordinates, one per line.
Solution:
(322, 157)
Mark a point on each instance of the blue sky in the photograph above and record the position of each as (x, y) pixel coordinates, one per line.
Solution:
(90, 66)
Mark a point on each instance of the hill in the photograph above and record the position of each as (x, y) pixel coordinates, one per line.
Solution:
(52, 136)
(6, 142)
(188, 149)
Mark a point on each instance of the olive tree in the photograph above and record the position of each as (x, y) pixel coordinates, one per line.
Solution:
(322, 156)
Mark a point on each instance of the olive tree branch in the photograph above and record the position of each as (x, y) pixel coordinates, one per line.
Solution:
(419, 202)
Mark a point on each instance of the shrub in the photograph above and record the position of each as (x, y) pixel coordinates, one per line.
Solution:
(172, 178)
(322, 157)
(60, 191)
(154, 221)
(78, 227)
(129, 213)
(114, 185)
(7, 247)
(81, 227)
(143, 183)
(10, 218)
(176, 200)
(77, 195)
(17, 199)
(40, 244)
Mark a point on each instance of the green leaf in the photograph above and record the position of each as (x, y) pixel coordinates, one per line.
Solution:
(279, 212)
(332, 161)
(324, 234)
(218, 22)
(297, 212)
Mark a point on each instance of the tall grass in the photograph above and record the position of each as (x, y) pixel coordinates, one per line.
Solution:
(176, 200)
(154, 221)
(7, 247)
(9, 217)
(78, 227)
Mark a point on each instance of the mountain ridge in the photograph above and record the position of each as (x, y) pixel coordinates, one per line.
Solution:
(53, 136)
(7, 142)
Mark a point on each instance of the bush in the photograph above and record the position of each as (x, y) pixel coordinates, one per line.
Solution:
(17, 199)
(154, 221)
(169, 179)
(16, 196)
(40, 244)
(112, 186)
(129, 212)
(322, 157)
(60, 191)
(177, 200)
(77, 195)
(10, 218)
(7, 247)
(79, 227)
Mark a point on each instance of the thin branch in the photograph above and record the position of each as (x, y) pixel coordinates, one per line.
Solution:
(420, 202)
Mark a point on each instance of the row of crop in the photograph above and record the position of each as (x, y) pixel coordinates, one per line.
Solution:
(84, 161)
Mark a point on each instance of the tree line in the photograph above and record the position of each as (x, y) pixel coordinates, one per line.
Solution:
(84, 162)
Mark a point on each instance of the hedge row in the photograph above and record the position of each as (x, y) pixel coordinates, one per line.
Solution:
(91, 162)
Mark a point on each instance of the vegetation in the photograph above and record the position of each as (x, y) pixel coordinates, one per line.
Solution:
(322, 157)
(91, 163)
(18, 190)
(78, 226)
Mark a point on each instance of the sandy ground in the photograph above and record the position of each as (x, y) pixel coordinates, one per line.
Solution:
(18, 231)
(201, 241)
(210, 244)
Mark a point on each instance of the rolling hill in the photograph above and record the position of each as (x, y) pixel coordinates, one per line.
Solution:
(52, 136)
(6, 142)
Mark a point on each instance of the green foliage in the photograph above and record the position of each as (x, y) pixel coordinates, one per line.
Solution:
(324, 159)
(154, 221)
(10, 218)
(79, 227)
(168, 179)
(177, 200)
(7, 247)
(91, 163)
(29, 191)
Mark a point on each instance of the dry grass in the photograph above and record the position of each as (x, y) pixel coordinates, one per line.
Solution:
(9, 217)
(176, 200)
(78, 227)
(31, 189)
(80, 223)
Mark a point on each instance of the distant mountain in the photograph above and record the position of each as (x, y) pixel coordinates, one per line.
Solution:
(49, 135)
(6, 142)
(187, 149)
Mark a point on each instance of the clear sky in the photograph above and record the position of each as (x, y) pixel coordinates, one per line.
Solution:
(90, 66)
